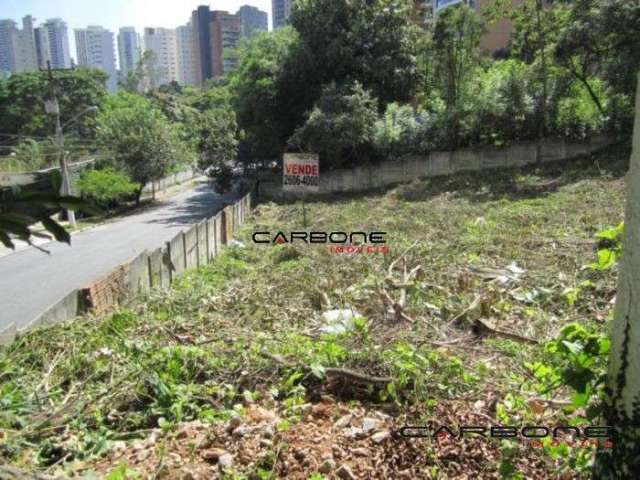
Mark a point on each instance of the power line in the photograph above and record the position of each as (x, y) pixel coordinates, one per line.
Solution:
(38, 137)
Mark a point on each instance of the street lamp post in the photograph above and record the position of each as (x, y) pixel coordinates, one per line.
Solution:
(65, 190)
(51, 106)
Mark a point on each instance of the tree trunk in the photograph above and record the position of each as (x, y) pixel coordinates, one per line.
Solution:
(622, 405)
(542, 121)
(139, 194)
(592, 94)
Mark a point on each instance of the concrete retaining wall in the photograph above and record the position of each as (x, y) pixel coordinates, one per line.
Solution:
(189, 249)
(445, 163)
(169, 181)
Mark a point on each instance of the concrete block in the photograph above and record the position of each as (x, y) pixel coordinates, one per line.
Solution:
(599, 141)
(176, 255)
(155, 261)
(191, 247)
(361, 178)
(439, 164)
(203, 248)
(211, 239)
(552, 150)
(138, 275)
(521, 154)
(465, 160)
(68, 307)
(219, 228)
(493, 157)
(413, 168)
(422, 166)
(575, 149)
(392, 172)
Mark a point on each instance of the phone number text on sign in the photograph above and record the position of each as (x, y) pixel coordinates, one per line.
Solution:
(301, 172)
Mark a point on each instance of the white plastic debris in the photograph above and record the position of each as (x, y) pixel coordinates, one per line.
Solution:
(237, 243)
(338, 321)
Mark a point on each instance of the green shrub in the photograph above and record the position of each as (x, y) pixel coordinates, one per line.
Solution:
(107, 187)
(578, 114)
(503, 109)
(340, 126)
(396, 131)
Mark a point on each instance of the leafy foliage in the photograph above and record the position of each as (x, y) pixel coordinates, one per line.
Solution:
(255, 87)
(371, 42)
(578, 359)
(609, 247)
(107, 186)
(340, 127)
(21, 212)
(216, 131)
(396, 131)
(22, 101)
(144, 143)
(455, 47)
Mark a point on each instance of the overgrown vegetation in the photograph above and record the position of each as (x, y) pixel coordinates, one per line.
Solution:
(106, 187)
(467, 252)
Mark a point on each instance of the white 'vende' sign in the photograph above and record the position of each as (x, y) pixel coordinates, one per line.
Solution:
(300, 172)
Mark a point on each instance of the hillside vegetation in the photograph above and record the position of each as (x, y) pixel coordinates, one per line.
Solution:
(231, 373)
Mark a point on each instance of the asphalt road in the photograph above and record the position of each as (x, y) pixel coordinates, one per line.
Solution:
(31, 281)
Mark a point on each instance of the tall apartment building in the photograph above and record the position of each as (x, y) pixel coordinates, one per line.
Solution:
(280, 12)
(252, 19)
(17, 47)
(52, 44)
(225, 36)
(162, 42)
(128, 50)
(201, 28)
(214, 33)
(8, 46)
(95, 49)
(187, 74)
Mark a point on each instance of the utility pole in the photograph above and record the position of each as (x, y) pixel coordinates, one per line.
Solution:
(52, 106)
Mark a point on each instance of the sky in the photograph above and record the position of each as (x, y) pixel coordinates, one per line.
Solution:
(113, 14)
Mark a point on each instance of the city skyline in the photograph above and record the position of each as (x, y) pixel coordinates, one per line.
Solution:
(115, 14)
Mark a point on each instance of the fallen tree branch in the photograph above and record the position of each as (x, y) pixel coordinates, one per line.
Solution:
(398, 258)
(472, 306)
(484, 328)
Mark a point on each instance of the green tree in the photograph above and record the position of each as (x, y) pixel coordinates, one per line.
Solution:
(255, 91)
(369, 41)
(22, 101)
(340, 127)
(372, 42)
(600, 39)
(217, 142)
(143, 142)
(456, 55)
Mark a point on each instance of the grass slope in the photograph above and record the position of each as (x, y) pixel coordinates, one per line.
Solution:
(229, 368)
